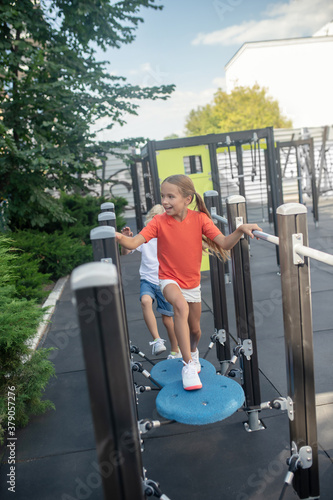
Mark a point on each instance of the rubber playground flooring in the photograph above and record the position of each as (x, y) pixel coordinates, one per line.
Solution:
(56, 455)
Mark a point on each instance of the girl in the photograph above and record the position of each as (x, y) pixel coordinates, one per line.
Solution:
(179, 232)
(150, 291)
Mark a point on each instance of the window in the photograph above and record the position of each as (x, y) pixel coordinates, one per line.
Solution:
(192, 164)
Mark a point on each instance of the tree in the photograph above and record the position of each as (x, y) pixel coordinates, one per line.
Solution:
(171, 136)
(244, 108)
(52, 89)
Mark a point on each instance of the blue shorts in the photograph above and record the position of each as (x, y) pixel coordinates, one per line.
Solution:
(154, 291)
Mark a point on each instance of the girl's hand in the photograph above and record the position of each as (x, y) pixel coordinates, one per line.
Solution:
(248, 228)
(126, 231)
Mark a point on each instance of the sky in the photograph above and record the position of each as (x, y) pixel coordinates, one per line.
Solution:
(189, 43)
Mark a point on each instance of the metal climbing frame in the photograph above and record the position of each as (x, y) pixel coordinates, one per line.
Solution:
(149, 155)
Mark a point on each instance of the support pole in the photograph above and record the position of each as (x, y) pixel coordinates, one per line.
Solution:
(107, 219)
(215, 175)
(240, 259)
(136, 194)
(153, 170)
(314, 188)
(217, 279)
(146, 184)
(275, 181)
(322, 156)
(98, 303)
(299, 178)
(269, 187)
(297, 318)
(108, 206)
(240, 169)
(104, 244)
(105, 249)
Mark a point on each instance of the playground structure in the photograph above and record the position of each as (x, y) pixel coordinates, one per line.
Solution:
(268, 167)
(198, 157)
(99, 285)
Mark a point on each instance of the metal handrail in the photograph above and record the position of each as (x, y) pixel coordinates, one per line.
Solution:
(302, 250)
(218, 217)
(267, 237)
(305, 251)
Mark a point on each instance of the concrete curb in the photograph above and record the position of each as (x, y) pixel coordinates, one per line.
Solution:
(50, 303)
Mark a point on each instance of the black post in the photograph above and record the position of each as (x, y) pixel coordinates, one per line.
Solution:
(217, 279)
(98, 304)
(314, 188)
(239, 154)
(297, 318)
(240, 259)
(215, 175)
(105, 249)
(136, 194)
(146, 183)
(155, 181)
(103, 239)
(299, 178)
(275, 181)
(269, 187)
(108, 206)
(107, 219)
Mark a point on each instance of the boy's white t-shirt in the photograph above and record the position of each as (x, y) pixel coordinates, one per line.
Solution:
(149, 262)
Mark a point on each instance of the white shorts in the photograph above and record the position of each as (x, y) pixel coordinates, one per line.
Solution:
(189, 294)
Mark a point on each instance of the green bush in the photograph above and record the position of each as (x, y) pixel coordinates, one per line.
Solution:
(85, 210)
(20, 366)
(57, 254)
(61, 247)
(28, 260)
(29, 282)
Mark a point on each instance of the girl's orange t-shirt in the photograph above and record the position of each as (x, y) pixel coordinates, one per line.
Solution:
(179, 245)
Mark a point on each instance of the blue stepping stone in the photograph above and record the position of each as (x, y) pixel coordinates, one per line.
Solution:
(170, 370)
(218, 399)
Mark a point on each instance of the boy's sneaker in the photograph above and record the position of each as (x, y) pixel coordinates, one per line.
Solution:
(191, 380)
(195, 357)
(158, 346)
(175, 355)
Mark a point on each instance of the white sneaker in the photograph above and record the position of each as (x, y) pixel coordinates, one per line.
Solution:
(178, 355)
(191, 380)
(195, 357)
(158, 346)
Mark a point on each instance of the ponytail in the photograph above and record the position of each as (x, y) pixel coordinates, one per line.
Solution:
(200, 205)
(213, 248)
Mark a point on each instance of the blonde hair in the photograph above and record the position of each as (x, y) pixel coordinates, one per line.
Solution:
(186, 188)
(157, 209)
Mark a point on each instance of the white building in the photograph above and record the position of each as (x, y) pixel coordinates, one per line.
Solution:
(297, 72)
